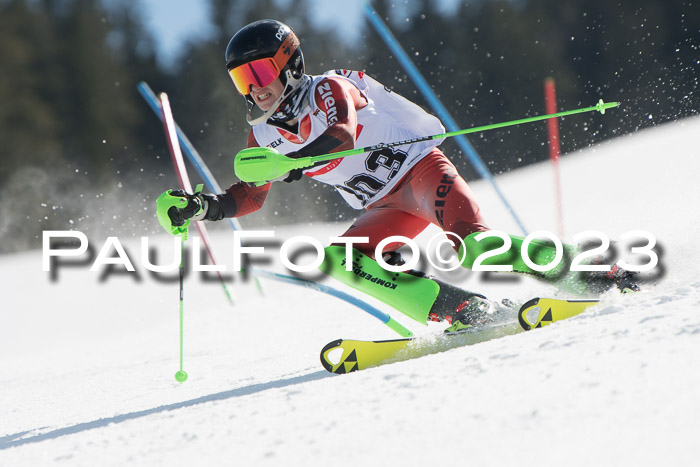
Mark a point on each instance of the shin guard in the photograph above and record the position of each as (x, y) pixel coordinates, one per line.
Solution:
(410, 294)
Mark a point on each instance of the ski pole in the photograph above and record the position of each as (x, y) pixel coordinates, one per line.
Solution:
(261, 164)
(174, 147)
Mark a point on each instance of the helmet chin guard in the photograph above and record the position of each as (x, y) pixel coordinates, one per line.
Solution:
(287, 106)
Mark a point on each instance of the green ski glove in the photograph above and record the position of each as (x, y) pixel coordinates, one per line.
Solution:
(176, 208)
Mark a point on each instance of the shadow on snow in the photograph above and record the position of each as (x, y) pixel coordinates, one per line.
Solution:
(19, 439)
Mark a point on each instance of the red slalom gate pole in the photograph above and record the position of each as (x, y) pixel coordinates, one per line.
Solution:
(550, 104)
(184, 179)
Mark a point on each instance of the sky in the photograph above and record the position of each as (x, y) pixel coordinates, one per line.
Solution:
(174, 22)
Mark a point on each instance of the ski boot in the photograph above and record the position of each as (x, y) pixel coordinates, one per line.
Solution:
(461, 308)
(602, 281)
(471, 313)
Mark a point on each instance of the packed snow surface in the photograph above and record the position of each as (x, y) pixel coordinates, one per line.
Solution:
(88, 358)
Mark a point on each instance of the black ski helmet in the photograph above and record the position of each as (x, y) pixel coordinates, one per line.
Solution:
(265, 39)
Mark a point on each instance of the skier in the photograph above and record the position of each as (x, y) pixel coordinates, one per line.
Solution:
(402, 190)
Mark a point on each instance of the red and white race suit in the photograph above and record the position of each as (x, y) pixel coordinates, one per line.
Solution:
(404, 188)
(387, 117)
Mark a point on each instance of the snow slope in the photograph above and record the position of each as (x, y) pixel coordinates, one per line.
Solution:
(87, 365)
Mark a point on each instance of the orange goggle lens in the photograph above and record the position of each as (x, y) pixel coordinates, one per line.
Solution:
(264, 71)
(259, 72)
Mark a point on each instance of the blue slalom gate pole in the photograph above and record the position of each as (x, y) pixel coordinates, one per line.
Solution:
(437, 105)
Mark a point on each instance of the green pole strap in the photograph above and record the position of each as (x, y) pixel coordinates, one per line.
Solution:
(261, 164)
(411, 295)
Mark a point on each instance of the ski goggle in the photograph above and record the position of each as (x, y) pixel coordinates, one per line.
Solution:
(263, 71)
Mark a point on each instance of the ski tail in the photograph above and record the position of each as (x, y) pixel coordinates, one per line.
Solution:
(344, 356)
(540, 312)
